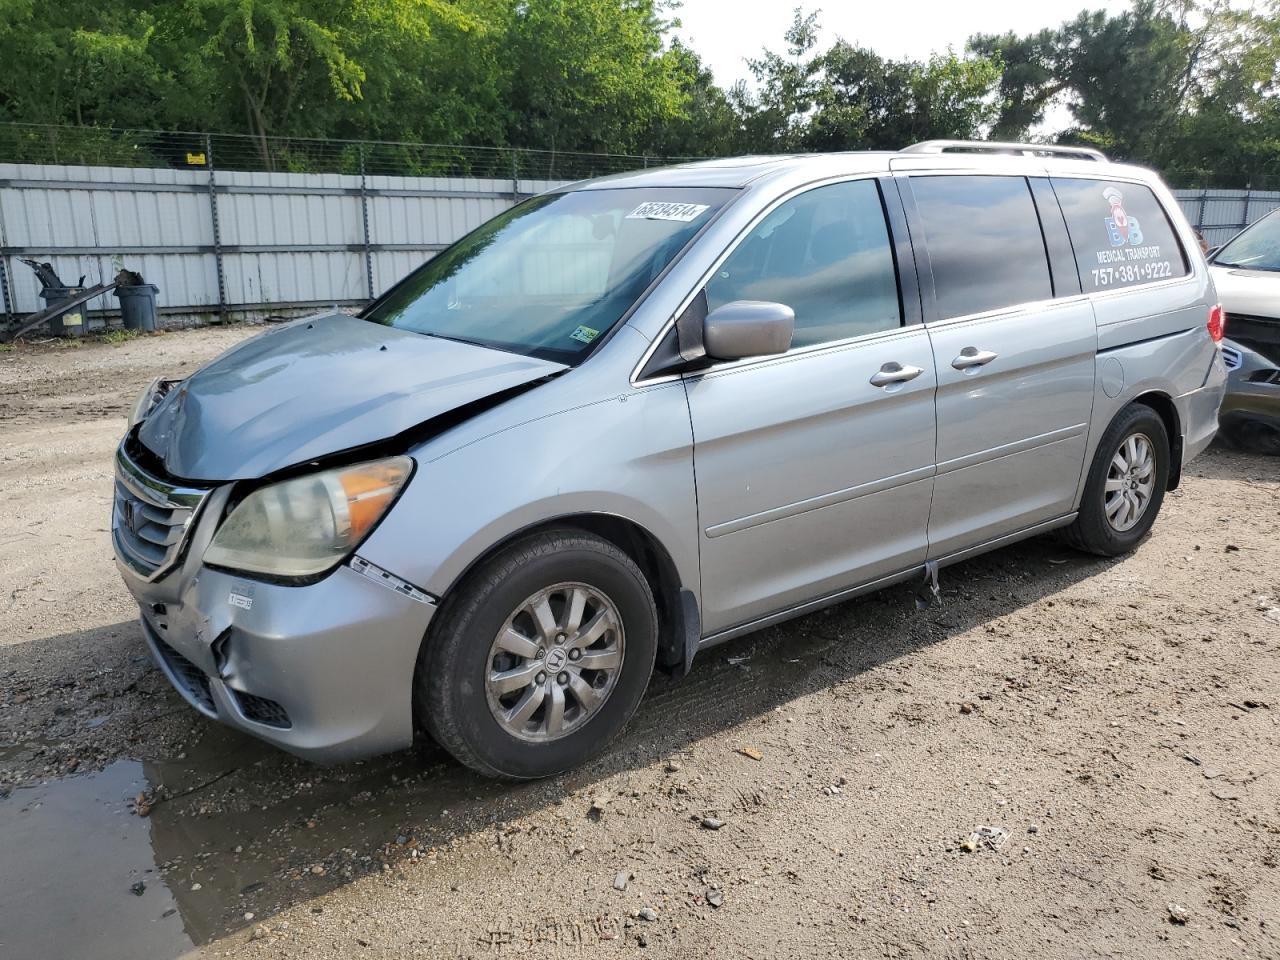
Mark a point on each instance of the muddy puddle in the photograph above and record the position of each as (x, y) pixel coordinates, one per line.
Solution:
(71, 850)
(148, 858)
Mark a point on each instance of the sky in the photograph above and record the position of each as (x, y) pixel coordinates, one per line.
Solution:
(725, 32)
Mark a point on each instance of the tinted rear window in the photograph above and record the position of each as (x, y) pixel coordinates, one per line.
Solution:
(1121, 235)
(985, 244)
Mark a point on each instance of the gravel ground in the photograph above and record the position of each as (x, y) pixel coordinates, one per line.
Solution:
(817, 789)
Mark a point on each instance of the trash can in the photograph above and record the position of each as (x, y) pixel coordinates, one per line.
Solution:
(71, 323)
(138, 306)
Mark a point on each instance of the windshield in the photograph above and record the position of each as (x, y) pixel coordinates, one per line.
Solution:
(1258, 248)
(549, 277)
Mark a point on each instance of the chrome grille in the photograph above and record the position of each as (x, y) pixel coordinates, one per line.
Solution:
(1232, 358)
(150, 518)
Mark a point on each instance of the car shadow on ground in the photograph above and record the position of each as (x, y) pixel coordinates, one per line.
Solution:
(237, 830)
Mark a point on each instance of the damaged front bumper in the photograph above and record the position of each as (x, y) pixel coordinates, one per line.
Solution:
(323, 670)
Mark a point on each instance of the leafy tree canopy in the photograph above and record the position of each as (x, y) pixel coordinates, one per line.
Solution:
(1190, 86)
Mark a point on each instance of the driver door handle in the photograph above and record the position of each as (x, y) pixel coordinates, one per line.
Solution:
(973, 357)
(894, 372)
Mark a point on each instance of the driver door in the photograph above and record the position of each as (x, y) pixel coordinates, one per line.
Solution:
(814, 469)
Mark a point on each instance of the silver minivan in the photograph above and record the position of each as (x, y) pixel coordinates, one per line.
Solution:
(634, 417)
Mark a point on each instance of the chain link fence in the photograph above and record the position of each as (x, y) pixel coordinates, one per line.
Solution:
(99, 146)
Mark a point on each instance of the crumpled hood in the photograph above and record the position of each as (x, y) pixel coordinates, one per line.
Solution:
(316, 387)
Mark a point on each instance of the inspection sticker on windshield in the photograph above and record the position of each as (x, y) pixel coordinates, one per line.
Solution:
(657, 210)
(584, 334)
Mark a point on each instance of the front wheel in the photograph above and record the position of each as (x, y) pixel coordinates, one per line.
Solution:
(540, 657)
(1126, 484)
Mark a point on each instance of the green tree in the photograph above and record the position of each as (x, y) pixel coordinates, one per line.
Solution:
(293, 66)
(850, 98)
(866, 102)
(706, 124)
(79, 62)
(589, 74)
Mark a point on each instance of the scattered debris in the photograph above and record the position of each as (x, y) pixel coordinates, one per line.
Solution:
(711, 823)
(967, 707)
(259, 932)
(992, 838)
(1178, 914)
(138, 888)
(927, 591)
(751, 752)
(596, 811)
(1267, 605)
(736, 661)
(672, 767)
(621, 879)
(647, 913)
(715, 898)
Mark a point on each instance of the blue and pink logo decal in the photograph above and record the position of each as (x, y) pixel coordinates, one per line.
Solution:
(1122, 229)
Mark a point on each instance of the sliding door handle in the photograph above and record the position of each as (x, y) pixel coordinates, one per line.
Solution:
(973, 357)
(894, 372)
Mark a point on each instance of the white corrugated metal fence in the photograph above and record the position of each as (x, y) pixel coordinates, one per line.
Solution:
(243, 244)
(279, 241)
(1221, 214)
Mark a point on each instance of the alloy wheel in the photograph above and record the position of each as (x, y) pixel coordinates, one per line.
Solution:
(1130, 482)
(554, 662)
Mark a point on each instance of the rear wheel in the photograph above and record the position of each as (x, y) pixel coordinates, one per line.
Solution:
(540, 656)
(1125, 486)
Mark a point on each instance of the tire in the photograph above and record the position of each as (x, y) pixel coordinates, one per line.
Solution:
(1094, 531)
(471, 715)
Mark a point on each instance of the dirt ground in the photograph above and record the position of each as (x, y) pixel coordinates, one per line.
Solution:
(1120, 720)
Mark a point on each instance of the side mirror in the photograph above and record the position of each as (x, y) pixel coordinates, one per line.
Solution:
(748, 328)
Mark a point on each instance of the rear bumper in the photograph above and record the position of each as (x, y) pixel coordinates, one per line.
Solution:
(324, 671)
(1198, 411)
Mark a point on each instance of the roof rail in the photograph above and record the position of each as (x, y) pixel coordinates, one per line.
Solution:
(1019, 149)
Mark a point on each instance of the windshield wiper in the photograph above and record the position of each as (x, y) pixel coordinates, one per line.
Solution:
(1246, 265)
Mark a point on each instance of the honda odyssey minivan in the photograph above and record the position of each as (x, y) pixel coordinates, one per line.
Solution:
(634, 417)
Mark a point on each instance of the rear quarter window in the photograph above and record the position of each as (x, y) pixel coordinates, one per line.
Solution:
(1121, 235)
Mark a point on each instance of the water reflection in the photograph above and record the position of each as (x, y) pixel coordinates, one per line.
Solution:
(71, 850)
(232, 832)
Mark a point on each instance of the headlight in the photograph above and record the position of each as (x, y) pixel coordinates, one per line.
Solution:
(155, 391)
(305, 526)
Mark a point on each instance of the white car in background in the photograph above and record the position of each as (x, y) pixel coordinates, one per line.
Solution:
(1246, 272)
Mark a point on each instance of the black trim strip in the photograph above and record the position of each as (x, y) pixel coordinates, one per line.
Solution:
(1134, 343)
(903, 255)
